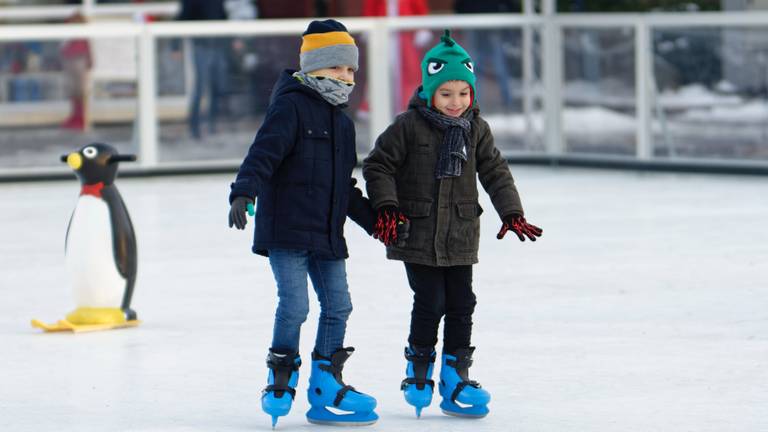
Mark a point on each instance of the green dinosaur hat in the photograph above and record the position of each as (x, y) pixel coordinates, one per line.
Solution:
(446, 61)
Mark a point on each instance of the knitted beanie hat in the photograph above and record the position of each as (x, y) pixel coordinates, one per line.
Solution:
(325, 44)
(446, 61)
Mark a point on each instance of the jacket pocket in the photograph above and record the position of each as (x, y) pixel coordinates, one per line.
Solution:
(418, 211)
(465, 232)
(416, 207)
(317, 143)
(469, 210)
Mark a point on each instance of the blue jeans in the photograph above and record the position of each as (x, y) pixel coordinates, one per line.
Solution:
(210, 75)
(329, 279)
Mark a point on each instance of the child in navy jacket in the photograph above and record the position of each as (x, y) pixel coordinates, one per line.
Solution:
(300, 167)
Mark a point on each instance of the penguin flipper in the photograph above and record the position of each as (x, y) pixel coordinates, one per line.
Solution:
(123, 237)
(124, 244)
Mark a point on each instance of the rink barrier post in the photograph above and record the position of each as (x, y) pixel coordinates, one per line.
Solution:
(147, 113)
(552, 55)
(643, 66)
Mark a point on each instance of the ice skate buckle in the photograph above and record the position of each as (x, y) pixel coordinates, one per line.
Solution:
(417, 381)
(279, 388)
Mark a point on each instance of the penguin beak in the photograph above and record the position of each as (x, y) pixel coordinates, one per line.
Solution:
(122, 158)
(74, 160)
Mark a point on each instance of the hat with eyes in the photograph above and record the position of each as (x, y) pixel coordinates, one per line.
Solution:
(446, 61)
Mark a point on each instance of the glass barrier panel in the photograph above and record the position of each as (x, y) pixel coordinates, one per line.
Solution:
(599, 91)
(56, 96)
(711, 93)
(213, 93)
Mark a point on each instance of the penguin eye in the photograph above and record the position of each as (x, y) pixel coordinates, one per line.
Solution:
(434, 67)
(470, 66)
(90, 152)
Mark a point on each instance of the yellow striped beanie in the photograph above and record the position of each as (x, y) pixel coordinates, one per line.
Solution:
(325, 44)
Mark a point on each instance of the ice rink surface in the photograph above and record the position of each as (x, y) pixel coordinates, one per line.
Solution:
(643, 308)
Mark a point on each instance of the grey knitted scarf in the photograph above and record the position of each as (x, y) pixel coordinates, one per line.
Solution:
(334, 91)
(453, 150)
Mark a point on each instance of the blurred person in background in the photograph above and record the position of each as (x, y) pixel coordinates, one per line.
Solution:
(238, 90)
(489, 45)
(77, 62)
(241, 10)
(408, 52)
(210, 63)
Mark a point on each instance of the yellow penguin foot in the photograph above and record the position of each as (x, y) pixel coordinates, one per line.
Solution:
(86, 319)
(90, 316)
(66, 326)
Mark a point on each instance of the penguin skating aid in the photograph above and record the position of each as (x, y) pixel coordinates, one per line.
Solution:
(100, 247)
(327, 390)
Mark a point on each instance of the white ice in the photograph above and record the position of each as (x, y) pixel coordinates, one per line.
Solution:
(643, 308)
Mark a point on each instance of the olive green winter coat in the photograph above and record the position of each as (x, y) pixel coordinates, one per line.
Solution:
(444, 214)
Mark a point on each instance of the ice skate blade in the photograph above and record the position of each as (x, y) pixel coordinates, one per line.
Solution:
(471, 412)
(464, 415)
(322, 416)
(268, 405)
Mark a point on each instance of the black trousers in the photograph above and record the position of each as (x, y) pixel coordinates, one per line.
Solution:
(438, 292)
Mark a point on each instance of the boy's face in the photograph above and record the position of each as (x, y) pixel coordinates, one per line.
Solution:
(341, 72)
(452, 98)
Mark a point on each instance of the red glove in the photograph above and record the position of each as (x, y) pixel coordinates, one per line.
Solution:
(392, 226)
(517, 224)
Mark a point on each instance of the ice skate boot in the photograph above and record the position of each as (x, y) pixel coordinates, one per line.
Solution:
(418, 386)
(327, 390)
(277, 397)
(461, 396)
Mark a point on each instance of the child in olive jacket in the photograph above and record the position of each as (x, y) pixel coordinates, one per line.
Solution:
(423, 171)
(300, 167)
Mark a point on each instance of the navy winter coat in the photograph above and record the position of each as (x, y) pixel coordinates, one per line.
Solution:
(300, 168)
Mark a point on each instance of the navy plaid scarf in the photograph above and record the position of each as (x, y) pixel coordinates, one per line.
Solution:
(453, 151)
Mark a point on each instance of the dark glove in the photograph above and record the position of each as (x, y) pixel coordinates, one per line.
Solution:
(392, 226)
(517, 224)
(237, 211)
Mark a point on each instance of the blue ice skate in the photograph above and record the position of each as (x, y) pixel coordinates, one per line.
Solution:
(277, 397)
(418, 384)
(461, 396)
(327, 390)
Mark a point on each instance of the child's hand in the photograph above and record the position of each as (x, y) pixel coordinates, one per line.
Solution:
(517, 224)
(392, 226)
(237, 211)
